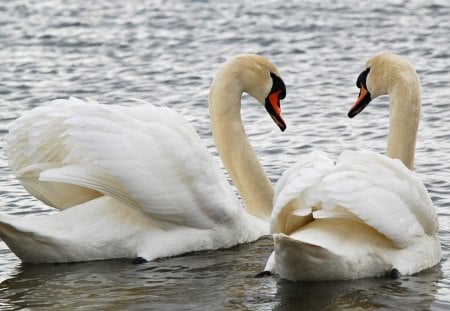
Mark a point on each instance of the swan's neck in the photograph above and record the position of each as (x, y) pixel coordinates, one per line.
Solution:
(235, 150)
(404, 111)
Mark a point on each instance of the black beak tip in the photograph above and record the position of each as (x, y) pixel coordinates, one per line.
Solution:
(280, 122)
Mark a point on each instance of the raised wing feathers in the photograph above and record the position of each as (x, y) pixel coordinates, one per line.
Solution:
(147, 157)
(364, 186)
(293, 203)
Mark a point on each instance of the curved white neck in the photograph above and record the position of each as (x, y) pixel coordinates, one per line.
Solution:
(234, 148)
(404, 114)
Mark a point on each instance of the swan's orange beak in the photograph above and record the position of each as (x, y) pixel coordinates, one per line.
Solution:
(361, 103)
(273, 107)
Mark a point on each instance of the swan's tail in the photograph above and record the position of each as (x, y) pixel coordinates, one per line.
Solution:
(103, 228)
(28, 243)
(298, 260)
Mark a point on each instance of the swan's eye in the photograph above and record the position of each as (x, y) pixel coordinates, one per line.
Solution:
(278, 85)
(361, 81)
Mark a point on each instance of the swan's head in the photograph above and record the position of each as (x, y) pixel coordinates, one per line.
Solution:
(257, 76)
(272, 100)
(381, 74)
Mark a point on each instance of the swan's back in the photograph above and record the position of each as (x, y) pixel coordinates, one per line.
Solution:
(73, 151)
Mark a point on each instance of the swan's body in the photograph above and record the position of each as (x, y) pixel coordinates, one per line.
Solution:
(368, 215)
(136, 181)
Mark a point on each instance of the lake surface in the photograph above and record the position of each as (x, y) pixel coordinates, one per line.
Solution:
(166, 52)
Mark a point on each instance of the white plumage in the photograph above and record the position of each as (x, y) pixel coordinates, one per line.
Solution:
(128, 181)
(361, 217)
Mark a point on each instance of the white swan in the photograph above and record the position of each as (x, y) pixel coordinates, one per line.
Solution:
(137, 182)
(367, 215)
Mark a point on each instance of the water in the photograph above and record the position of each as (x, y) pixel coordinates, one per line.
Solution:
(166, 52)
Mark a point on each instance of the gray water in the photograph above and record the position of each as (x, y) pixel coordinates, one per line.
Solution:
(166, 52)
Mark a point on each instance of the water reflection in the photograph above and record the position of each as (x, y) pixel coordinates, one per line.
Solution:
(205, 280)
(413, 292)
(200, 280)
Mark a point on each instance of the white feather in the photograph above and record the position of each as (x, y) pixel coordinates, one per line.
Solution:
(363, 216)
(132, 181)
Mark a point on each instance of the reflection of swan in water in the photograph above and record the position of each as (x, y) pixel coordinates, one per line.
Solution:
(137, 181)
(368, 215)
(416, 292)
(203, 281)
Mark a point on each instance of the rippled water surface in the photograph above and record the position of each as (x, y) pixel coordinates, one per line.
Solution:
(166, 52)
